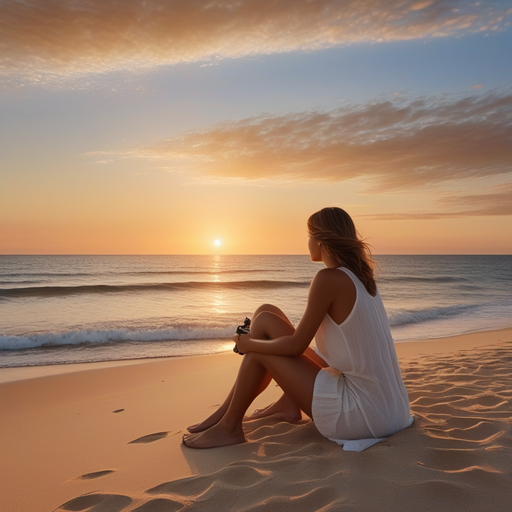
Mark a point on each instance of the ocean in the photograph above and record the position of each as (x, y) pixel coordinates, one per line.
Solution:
(70, 309)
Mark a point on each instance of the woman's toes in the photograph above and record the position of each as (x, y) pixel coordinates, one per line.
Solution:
(187, 437)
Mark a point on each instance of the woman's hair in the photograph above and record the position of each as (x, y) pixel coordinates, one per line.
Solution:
(335, 230)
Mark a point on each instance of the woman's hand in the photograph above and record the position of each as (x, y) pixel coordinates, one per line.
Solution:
(241, 342)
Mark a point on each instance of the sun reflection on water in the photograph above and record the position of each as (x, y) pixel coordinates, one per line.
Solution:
(219, 303)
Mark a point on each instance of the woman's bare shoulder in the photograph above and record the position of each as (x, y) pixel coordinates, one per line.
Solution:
(332, 276)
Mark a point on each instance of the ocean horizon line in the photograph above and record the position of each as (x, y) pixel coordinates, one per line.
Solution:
(249, 254)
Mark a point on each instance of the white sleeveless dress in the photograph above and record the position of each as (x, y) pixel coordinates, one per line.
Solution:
(360, 398)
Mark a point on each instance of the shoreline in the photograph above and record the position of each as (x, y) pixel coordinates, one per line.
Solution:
(403, 348)
(109, 434)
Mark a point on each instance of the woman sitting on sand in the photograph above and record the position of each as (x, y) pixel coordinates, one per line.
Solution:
(352, 386)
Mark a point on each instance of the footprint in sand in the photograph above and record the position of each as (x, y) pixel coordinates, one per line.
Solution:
(97, 502)
(96, 474)
(151, 438)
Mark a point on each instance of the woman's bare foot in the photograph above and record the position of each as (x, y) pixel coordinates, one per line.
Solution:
(214, 437)
(284, 409)
(208, 422)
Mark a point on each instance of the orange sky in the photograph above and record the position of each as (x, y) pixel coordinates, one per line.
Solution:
(159, 127)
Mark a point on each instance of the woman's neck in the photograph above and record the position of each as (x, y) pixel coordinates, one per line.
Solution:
(329, 261)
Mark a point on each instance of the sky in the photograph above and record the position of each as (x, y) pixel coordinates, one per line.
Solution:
(162, 126)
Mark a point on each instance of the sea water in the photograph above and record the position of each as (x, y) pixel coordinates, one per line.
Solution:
(67, 309)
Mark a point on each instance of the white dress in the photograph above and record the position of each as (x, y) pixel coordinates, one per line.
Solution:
(360, 398)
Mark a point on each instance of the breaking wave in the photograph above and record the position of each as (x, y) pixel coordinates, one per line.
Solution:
(55, 291)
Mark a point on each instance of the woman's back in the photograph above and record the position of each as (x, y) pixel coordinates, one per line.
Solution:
(362, 349)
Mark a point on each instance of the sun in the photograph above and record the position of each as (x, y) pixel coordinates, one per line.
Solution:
(217, 243)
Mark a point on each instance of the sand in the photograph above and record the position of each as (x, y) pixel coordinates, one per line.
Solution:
(106, 438)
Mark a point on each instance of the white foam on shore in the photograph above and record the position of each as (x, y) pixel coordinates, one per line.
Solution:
(89, 336)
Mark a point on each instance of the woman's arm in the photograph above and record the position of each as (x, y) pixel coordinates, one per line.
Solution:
(315, 357)
(324, 290)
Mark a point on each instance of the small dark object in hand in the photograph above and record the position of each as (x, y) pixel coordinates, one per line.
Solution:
(242, 329)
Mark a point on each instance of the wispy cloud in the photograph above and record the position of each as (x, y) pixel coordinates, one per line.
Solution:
(497, 201)
(41, 40)
(392, 144)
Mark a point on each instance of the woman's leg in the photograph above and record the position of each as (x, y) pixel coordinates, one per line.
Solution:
(295, 374)
(268, 322)
(285, 408)
(217, 415)
(270, 308)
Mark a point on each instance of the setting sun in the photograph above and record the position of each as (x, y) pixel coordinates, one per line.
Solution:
(217, 243)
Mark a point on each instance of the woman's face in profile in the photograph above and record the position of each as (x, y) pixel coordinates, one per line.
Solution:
(315, 250)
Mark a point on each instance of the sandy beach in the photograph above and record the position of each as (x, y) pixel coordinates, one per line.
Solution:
(107, 438)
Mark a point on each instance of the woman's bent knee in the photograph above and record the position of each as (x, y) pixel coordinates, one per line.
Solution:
(265, 308)
(263, 316)
(270, 325)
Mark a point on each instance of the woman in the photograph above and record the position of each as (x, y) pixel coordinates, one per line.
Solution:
(352, 387)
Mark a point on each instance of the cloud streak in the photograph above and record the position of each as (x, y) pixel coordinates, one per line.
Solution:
(62, 38)
(495, 202)
(391, 144)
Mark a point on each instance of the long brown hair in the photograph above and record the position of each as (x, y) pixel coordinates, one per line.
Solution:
(335, 230)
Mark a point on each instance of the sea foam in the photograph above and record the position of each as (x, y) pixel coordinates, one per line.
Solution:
(416, 316)
(87, 336)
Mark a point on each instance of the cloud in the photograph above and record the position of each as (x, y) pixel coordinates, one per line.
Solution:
(495, 202)
(392, 144)
(45, 40)
(498, 202)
